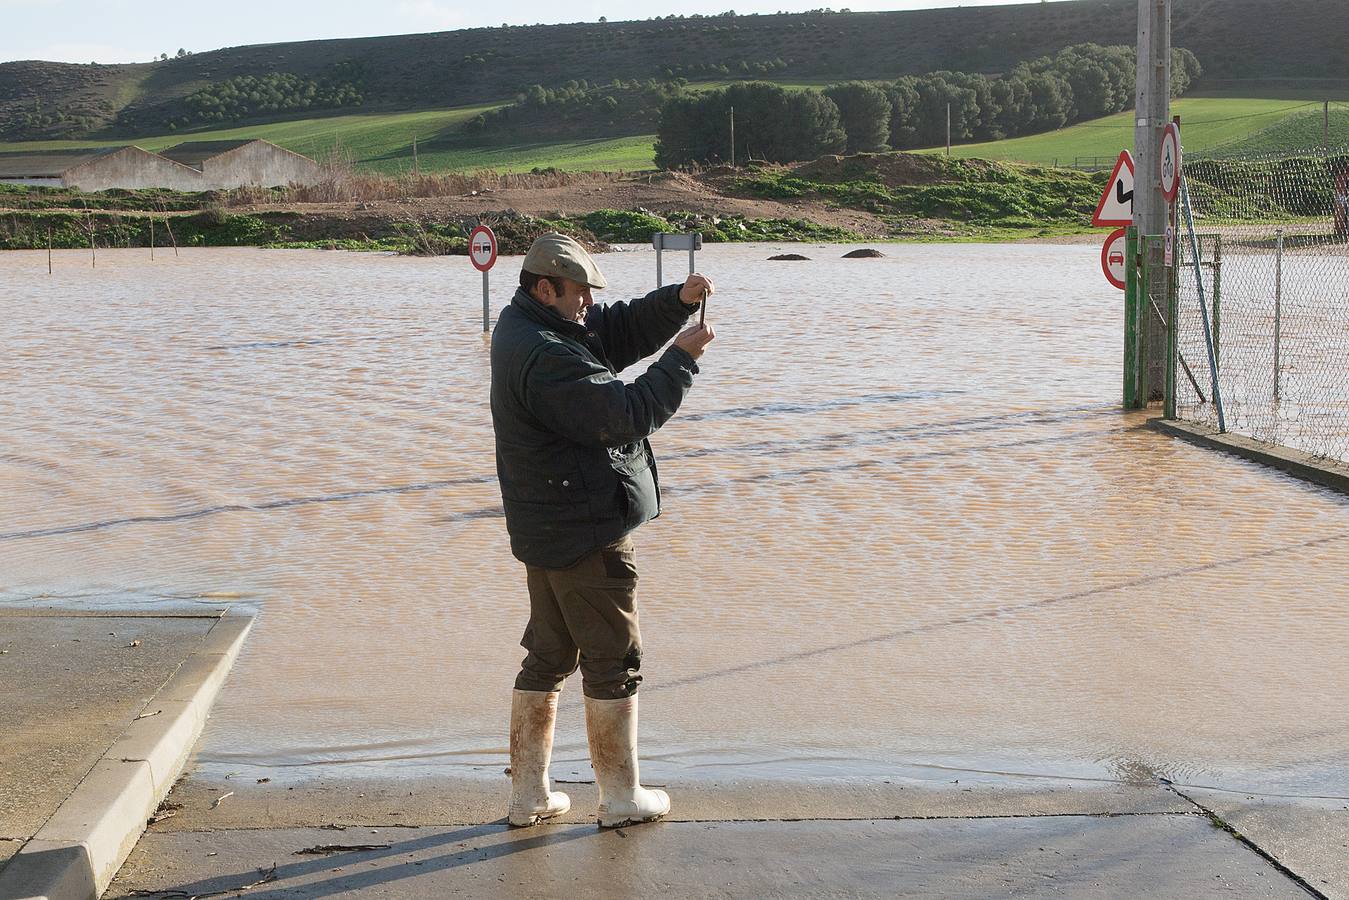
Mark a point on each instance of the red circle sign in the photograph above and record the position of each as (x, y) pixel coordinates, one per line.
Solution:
(1113, 263)
(1168, 162)
(482, 248)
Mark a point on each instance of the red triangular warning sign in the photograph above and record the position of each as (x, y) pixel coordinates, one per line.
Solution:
(1117, 203)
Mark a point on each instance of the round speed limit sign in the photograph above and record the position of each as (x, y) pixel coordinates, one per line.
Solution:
(1169, 162)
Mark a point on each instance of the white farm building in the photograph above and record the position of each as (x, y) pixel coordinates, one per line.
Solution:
(190, 166)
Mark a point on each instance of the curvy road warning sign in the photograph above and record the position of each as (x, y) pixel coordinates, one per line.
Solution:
(482, 248)
(1168, 161)
(1117, 203)
(1112, 258)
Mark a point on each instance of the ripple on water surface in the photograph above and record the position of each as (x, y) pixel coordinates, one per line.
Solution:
(904, 523)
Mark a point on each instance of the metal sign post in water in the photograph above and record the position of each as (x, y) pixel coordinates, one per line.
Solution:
(482, 252)
(690, 242)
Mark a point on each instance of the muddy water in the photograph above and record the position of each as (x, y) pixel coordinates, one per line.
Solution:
(905, 525)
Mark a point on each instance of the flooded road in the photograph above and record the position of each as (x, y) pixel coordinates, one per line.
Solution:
(905, 523)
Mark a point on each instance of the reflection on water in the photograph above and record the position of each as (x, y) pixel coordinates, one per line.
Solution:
(905, 524)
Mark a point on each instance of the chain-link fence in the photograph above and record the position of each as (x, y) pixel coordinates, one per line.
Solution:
(1273, 237)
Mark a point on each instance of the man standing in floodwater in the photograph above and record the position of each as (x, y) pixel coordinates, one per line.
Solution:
(577, 478)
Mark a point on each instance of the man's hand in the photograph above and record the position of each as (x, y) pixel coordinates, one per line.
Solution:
(694, 288)
(692, 340)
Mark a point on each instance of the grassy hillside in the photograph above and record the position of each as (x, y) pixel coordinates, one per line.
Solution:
(383, 143)
(364, 138)
(474, 66)
(1206, 123)
(1302, 130)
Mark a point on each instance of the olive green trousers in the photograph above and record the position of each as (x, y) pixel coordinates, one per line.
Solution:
(586, 615)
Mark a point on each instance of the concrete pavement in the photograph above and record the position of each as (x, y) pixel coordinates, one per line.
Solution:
(1156, 856)
(99, 710)
(914, 834)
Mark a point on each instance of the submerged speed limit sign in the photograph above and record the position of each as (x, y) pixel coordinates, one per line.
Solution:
(1169, 162)
(482, 252)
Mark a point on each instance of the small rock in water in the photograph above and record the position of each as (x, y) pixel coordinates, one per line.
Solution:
(864, 253)
(788, 256)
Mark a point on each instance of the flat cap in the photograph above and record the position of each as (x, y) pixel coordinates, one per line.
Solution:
(557, 254)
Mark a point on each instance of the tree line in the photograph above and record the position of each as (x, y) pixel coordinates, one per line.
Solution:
(249, 96)
(1084, 81)
(579, 107)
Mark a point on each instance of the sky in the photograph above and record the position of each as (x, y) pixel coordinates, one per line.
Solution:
(113, 31)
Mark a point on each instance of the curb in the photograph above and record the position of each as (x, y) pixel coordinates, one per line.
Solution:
(80, 848)
(1295, 463)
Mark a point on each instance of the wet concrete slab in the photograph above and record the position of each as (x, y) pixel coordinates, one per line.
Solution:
(422, 802)
(1310, 837)
(69, 684)
(1150, 855)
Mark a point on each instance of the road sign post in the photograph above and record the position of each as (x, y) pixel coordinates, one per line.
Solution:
(689, 242)
(482, 252)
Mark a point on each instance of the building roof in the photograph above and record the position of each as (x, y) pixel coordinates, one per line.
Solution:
(49, 163)
(195, 153)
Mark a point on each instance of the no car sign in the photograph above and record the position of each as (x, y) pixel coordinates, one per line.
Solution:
(482, 248)
(1113, 263)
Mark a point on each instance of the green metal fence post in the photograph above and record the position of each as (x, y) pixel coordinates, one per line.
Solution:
(1172, 342)
(1132, 319)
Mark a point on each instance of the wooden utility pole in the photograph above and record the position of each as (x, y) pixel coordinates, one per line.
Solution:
(49, 249)
(732, 137)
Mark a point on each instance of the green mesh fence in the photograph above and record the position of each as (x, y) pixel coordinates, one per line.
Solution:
(1273, 236)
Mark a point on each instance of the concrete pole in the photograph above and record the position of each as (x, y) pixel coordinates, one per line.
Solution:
(1152, 105)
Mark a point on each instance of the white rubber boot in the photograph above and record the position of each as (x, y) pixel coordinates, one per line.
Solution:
(611, 726)
(532, 716)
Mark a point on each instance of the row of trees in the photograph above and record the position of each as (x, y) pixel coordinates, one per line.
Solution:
(250, 96)
(770, 123)
(579, 107)
(1085, 81)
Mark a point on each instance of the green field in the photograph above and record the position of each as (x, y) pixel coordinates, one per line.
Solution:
(627, 154)
(383, 142)
(1206, 124)
(363, 138)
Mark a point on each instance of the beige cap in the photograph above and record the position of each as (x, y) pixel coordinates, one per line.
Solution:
(557, 254)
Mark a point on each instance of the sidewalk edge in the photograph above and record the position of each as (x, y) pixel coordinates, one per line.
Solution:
(79, 850)
(1300, 465)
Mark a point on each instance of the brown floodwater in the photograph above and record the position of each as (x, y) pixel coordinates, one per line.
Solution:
(905, 523)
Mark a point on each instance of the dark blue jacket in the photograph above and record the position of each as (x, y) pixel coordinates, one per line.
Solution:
(575, 466)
